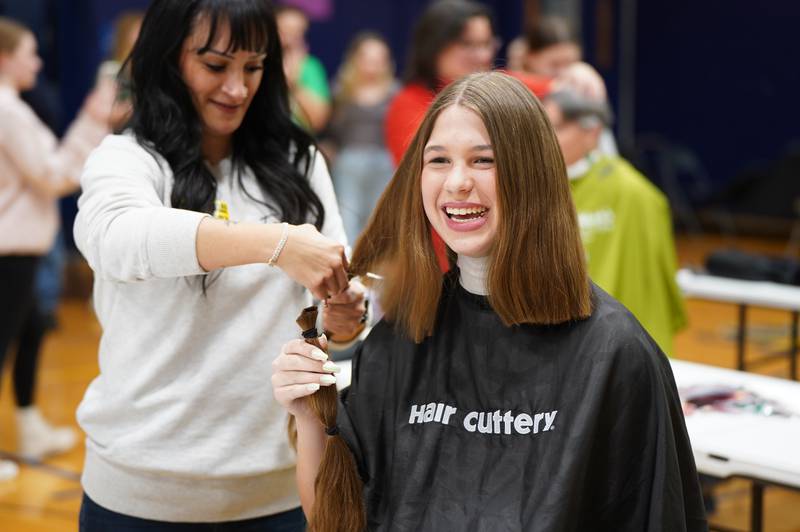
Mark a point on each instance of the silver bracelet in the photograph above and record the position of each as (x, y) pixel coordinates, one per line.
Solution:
(284, 237)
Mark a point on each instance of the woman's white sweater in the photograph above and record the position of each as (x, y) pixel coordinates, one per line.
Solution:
(181, 423)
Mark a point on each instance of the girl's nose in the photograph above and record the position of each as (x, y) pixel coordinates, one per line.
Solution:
(458, 180)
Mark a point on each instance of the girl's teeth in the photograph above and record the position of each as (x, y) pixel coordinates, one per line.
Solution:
(472, 210)
(466, 217)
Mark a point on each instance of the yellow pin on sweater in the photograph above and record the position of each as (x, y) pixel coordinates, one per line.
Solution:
(221, 210)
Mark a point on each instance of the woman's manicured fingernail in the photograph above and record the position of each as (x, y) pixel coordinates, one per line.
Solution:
(330, 366)
(318, 354)
(313, 387)
(326, 380)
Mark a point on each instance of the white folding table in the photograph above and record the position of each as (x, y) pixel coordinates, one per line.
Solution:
(744, 294)
(763, 449)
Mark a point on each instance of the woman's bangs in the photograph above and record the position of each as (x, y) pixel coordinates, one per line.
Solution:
(248, 21)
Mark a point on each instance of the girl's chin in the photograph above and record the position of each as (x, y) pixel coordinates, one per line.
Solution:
(475, 248)
(471, 239)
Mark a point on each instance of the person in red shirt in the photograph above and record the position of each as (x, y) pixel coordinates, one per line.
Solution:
(452, 39)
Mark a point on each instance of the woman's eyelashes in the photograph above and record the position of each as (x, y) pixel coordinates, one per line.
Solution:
(219, 68)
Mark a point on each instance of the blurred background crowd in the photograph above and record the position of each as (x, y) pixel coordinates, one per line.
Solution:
(703, 95)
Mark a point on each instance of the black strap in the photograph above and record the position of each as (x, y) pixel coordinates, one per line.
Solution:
(332, 431)
(310, 333)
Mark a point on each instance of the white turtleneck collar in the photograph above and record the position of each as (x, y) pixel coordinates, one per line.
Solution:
(473, 274)
(581, 167)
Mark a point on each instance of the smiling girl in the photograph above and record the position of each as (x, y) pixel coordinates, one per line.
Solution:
(512, 394)
(181, 424)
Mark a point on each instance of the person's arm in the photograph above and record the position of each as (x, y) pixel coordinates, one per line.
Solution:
(49, 168)
(317, 261)
(127, 233)
(308, 257)
(308, 85)
(299, 371)
(313, 94)
(315, 110)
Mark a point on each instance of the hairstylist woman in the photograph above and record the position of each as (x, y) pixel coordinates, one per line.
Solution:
(181, 425)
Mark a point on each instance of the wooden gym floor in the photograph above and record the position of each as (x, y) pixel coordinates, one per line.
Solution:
(46, 498)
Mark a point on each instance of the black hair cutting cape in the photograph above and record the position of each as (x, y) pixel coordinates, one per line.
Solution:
(484, 427)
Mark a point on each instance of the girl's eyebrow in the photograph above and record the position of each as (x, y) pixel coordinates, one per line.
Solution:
(479, 147)
(434, 148)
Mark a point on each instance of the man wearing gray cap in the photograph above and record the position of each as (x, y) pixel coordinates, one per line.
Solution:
(625, 220)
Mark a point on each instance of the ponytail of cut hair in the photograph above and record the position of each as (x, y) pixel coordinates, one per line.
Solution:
(338, 500)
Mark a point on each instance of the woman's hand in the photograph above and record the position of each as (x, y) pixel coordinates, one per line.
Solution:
(299, 371)
(315, 261)
(344, 313)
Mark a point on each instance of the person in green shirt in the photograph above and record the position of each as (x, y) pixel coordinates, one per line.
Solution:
(308, 82)
(625, 220)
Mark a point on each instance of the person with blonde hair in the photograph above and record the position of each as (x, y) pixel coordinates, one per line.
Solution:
(35, 170)
(362, 166)
(510, 393)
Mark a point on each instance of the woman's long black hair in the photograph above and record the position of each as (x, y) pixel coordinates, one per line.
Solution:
(165, 121)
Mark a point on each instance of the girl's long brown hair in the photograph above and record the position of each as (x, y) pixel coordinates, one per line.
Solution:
(537, 272)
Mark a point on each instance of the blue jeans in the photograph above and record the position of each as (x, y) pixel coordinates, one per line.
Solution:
(359, 177)
(48, 278)
(95, 518)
